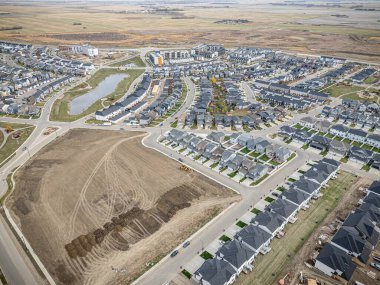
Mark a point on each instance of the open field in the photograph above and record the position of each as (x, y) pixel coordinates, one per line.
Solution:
(60, 109)
(342, 89)
(269, 268)
(95, 200)
(288, 27)
(137, 61)
(13, 143)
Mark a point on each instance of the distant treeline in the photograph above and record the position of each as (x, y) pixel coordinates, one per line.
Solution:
(10, 28)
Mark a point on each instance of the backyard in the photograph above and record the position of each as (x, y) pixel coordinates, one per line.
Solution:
(267, 268)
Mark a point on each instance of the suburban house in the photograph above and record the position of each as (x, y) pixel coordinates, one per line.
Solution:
(215, 272)
(357, 135)
(339, 147)
(308, 122)
(269, 221)
(333, 261)
(255, 238)
(296, 197)
(360, 155)
(239, 255)
(257, 171)
(339, 130)
(285, 209)
(373, 140)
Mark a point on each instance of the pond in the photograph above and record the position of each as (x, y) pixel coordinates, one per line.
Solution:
(104, 88)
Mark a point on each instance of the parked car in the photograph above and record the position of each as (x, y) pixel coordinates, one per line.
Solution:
(180, 159)
(174, 253)
(375, 265)
(186, 244)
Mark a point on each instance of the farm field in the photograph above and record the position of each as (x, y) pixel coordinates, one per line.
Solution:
(293, 28)
(95, 200)
(269, 268)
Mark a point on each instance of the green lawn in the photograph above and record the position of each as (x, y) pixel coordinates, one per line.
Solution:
(264, 157)
(268, 269)
(370, 80)
(94, 121)
(275, 163)
(135, 60)
(269, 199)
(233, 174)
(305, 146)
(224, 238)
(187, 274)
(259, 180)
(255, 211)
(344, 159)
(341, 88)
(60, 109)
(174, 124)
(366, 146)
(254, 154)
(206, 255)
(292, 180)
(226, 138)
(324, 153)
(289, 141)
(291, 157)
(214, 165)
(297, 126)
(245, 150)
(281, 189)
(358, 144)
(11, 145)
(366, 167)
(330, 136)
(347, 141)
(241, 224)
(301, 171)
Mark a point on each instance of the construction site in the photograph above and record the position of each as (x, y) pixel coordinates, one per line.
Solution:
(114, 211)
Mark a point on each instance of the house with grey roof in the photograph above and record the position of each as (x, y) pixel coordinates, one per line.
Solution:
(239, 255)
(339, 148)
(282, 154)
(234, 137)
(373, 199)
(269, 221)
(296, 197)
(352, 244)
(243, 139)
(285, 209)
(308, 122)
(361, 224)
(235, 163)
(357, 135)
(333, 261)
(319, 142)
(217, 137)
(374, 140)
(339, 130)
(307, 186)
(360, 155)
(227, 156)
(215, 272)
(255, 238)
(257, 171)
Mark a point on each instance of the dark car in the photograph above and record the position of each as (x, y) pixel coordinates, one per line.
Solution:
(186, 244)
(174, 253)
(375, 265)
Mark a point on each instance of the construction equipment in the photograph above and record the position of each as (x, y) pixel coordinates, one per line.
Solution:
(184, 168)
(8, 129)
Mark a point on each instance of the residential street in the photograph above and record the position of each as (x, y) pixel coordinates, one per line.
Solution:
(17, 268)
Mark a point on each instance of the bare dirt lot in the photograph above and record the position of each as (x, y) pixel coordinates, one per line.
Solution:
(100, 208)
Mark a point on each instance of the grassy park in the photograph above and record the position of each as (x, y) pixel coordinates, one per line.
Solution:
(60, 109)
